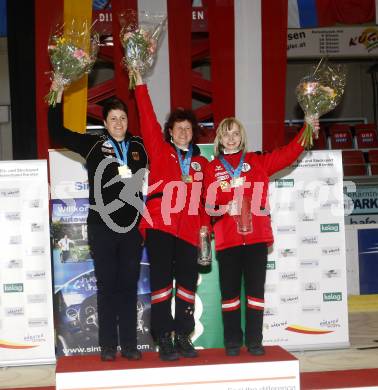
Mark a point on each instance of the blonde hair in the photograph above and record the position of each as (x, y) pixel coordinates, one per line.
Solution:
(224, 126)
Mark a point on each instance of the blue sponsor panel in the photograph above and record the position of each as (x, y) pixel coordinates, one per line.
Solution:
(75, 299)
(3, 18)
(368, 260)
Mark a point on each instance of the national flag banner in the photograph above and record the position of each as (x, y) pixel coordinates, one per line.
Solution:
(324, 13)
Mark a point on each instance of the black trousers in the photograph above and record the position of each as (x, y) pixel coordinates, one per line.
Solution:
(171, 258)
(116, 264)
(249, 262)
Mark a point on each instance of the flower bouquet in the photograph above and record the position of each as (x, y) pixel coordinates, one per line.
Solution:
(319, 93)
(72, 52)
(140, 41)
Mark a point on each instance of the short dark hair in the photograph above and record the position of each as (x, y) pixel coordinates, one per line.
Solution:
(113, 104)
(179, 115)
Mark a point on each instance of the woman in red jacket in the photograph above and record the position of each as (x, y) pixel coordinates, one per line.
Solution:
(171, 223)
(236, 188)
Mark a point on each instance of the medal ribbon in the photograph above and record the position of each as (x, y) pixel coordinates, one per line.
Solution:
(234, 173)
(124, 147)
(185, 162)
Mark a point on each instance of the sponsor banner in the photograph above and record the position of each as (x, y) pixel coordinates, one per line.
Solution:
(368, 260)
(361, 219)
(25, 271)
(361, 204)
(356, 41)
(307, 261)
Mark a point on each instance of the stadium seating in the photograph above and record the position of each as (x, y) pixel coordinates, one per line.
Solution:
(290, 132)
(373, 161)
(354, 163)
(320, 143)
(366, 136)
(341, 136)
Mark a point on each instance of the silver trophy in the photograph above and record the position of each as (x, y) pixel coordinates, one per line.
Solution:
(204, 248)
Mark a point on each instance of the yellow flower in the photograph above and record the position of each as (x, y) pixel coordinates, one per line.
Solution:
(330, 91)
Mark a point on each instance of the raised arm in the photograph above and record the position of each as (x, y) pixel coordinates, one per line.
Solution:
(150, 128)
(77, 142)
(280, 158)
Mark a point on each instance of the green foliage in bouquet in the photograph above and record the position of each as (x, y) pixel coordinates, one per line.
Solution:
(140, 39)
(72, 54)
(319, 93)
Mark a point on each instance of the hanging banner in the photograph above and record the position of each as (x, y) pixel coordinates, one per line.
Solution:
(26, 320)
(356, 41)
(306, 292)
(74, 280)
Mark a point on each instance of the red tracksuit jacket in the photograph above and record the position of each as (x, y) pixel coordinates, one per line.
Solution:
(164, 166)
(256, 169)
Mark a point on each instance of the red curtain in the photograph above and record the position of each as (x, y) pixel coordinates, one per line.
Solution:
(274, 56)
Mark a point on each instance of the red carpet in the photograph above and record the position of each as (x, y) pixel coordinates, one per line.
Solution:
(309, 380)
(151, 360)
(339, 379)
(314, 380)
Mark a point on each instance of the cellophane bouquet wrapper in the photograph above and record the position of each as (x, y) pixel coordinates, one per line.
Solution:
(73, 51)
(140, 36)
(318, 93)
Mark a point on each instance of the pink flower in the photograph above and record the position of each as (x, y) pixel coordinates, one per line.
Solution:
(79, 53)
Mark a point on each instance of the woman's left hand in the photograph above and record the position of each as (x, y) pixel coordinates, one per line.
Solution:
(313, 121)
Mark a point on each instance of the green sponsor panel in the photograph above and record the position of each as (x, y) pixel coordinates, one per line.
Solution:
(207, 150)
(329, 228)
(271, 265)
(332, 297)
(209, 292)
(13, 288)
(284, 183)
(211, 317)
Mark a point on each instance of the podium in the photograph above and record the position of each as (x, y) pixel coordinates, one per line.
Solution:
(211, 370)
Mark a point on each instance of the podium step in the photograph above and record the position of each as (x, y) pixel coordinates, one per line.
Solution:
(211, 370)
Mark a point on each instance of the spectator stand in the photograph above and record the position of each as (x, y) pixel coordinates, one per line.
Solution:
(357, 140)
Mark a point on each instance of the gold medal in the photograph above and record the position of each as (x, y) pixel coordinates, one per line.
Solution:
(187, 178)
(224, 185)
(124, 171)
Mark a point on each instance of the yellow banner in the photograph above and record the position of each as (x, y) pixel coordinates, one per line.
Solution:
(76, 15)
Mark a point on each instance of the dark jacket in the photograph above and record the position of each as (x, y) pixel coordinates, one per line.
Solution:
(95, 149)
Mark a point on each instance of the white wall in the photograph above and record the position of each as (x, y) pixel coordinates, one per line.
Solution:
(248, 72)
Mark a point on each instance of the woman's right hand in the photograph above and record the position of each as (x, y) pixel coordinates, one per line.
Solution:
(138, 77)
(57, 88)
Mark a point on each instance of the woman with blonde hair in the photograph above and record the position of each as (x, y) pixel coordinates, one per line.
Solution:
(236, 187)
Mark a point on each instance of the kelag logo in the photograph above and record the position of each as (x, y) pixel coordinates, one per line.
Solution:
(329, 228)
(13, 288)
(332, 296)
(284, 183)
(271, 265)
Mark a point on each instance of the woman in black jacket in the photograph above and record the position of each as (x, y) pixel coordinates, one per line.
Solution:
(115, 162)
